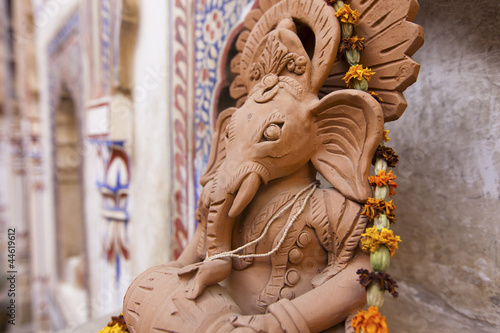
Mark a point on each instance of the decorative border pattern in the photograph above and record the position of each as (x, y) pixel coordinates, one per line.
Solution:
(105, 39)
(217, 23)
(180, 152)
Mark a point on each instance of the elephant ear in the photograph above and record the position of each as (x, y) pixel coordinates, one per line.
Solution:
(218, 147)
(349, 126)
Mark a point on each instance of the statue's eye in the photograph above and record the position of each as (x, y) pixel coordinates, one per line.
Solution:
(272, 132)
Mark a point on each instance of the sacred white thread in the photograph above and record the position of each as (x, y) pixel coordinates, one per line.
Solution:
(232, 254)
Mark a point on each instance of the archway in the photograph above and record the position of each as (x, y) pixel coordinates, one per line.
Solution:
(69, 209)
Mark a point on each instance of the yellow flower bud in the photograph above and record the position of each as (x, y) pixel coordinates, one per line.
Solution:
(339, 4)
(381, 222)
(381, 192)
(380, 164)
(374, 296)
(353, 56)
(380, 260)
(360, 84)
(346, 29)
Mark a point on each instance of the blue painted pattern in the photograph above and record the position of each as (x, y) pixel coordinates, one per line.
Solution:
(216, 20)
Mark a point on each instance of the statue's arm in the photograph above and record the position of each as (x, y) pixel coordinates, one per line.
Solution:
(319, 309)
(191, 255)
(195, 251)
(332, 302)
(337, 293)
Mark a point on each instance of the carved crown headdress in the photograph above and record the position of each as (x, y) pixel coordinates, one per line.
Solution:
(311, 36)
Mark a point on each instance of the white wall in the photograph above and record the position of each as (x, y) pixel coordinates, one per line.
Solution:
(150, 151)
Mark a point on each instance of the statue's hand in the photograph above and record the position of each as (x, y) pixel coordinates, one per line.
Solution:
(174, 264)
(203, 274)
(263, 323)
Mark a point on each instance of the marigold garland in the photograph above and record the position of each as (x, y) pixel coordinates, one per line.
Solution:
(383, 179)
(373, 238)
(357, 72)
(347, 15)
(370, 321)
(384, 280)
(376, 209)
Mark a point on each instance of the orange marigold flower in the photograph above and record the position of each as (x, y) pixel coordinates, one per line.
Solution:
(374, 207)
(386, 137)
(347, 15)
(373, 238)
(389, 211)
(382, 179)
(370, 321)
(357, 72)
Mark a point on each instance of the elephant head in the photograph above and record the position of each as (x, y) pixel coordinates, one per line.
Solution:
(283, 129)
(263, 142)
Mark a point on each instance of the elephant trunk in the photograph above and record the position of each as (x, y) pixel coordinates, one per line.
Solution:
(230, 196)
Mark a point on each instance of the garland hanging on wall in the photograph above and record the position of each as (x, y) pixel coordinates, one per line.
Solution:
(379, 240)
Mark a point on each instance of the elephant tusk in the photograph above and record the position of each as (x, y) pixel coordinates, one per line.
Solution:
(245, 194)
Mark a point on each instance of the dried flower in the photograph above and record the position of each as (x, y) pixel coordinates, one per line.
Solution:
(372, 208)
(331, 2)
(353, 43)
(375, 207)
(372, 239)
(376, 96)
(357, 72)
(370, 321)
(116, 325)
(384, 280)
(387, 154)
(347, 15)
(389, 211)
(386, 137)
(382, 179)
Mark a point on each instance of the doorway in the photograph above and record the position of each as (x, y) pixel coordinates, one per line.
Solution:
(72, 293)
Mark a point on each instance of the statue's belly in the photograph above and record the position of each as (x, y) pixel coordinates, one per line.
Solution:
(246, 285)
(287, 274)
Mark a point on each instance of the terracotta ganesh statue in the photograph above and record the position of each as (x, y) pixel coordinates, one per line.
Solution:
(273, 251)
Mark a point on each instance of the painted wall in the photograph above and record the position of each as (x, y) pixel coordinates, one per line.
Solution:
(151, 164)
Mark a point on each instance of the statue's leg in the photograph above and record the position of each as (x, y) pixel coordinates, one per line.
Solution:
(156, 300)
